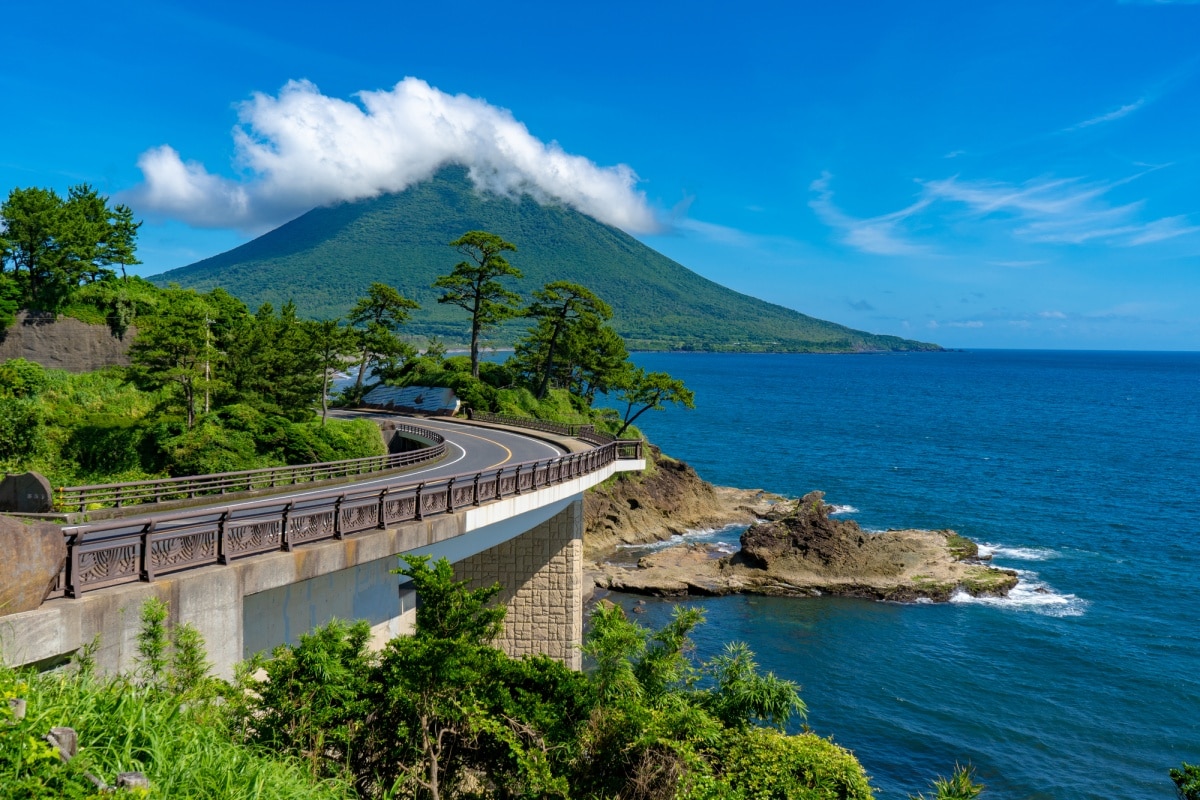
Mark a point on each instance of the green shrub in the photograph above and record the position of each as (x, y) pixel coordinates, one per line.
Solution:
(21, 428)
(107, 445)
(21, 378)
(1187, 781)
(764, 764)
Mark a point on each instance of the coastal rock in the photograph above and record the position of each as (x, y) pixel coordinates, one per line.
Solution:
(36, 553)
(668, 499)
(805, 553)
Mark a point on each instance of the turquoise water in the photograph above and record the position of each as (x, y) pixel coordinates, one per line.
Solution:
(1079, 469)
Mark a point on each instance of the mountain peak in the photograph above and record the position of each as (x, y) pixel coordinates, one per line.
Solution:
(325, 259)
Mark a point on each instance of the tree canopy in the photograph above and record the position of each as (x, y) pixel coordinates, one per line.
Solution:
(50, 245)
(474, 285)
(642, 391)
(377, 316)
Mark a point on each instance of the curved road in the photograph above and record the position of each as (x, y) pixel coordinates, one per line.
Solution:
(470, 449)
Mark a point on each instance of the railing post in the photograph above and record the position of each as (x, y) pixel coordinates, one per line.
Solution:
(285, 536)
(475, 492)
(420, 515)
(337, 517)
(222, 556)
(517, 481)
(499, 494)
(450, 496)
(382, 508)
(147, 571)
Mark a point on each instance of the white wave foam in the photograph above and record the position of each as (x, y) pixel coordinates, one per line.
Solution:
(843, 510)
(1030, 594)
(719, 536)
(1016, 553)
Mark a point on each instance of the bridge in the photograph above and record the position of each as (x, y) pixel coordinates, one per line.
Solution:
(256, 559)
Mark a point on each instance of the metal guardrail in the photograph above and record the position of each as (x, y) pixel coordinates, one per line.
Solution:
(118, 495)
(584, 432)
(126, 551)
(530, 423)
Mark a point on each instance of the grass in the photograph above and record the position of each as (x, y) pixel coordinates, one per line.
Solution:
(981, 580)
(180, 742)
(961, 547)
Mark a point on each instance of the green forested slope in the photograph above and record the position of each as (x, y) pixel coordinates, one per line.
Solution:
(326, 258)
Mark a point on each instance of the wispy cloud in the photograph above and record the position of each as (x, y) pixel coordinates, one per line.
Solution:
(1019, 264)
(1043, 210)
(1061, 210)
(882, 235)
(721, 234)
(302, 149)
(1111, 116)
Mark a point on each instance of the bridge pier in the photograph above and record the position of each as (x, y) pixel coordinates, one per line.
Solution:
(541, 577)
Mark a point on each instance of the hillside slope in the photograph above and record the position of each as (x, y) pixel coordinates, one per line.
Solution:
(326, 258)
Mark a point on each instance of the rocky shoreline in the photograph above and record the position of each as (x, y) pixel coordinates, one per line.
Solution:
(791, 548)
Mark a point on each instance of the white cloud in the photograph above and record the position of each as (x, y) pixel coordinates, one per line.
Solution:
(302, 149)
(1062, 210)
(882, 235)
(1115, 114)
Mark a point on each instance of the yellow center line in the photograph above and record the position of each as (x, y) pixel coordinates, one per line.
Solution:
(489, 441)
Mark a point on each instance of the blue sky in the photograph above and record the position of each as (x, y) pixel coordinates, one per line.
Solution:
(976, 174)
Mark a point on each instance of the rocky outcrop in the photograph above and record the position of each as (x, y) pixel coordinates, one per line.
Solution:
(64, 343)
(667, 499)
(34, 554)
(805, 553)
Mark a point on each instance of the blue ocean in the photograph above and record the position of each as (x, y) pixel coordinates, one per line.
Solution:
(1079, 469)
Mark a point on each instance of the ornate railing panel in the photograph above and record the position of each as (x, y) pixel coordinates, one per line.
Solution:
(123, 551)
(118, 495)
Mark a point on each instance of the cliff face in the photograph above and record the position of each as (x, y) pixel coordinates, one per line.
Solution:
(64, 343)
(668, 499)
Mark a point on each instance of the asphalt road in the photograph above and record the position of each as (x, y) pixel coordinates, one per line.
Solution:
(470, 449)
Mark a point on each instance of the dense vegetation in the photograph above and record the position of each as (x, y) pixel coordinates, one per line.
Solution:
(326, 258)
(99, 428)
(438, 714)
(212, 388)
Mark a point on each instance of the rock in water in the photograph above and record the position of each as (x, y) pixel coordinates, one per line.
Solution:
(804, 552)
(35, 554)
(807, 532)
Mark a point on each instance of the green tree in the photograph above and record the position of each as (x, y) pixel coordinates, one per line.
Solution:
(378, 316)
(475, 286)
(174, 350)
(120, 246)
(329, 342)
(32, 224)
(641, 391)
(596, 358)
(449, 704)
(556, 308)
(54, 245)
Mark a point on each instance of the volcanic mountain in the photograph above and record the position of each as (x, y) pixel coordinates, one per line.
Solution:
(325, 259)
